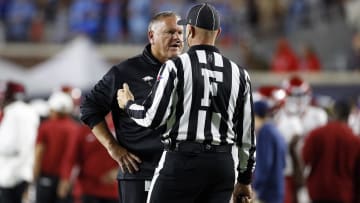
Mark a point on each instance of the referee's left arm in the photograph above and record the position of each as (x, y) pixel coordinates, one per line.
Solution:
(244, 128)
(157, 106)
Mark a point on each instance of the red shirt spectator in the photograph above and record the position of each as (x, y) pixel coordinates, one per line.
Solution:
(331, 151)
(309, 60)
(54, 135)
(284, 59)
(98, 170)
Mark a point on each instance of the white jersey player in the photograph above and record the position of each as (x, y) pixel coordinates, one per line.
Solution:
(295, 120)
(298, 103)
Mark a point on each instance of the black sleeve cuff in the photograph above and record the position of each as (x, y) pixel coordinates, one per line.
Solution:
(245, 178)
(92, 121)
(127, 106)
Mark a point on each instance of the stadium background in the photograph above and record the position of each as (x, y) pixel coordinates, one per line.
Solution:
(40, 44)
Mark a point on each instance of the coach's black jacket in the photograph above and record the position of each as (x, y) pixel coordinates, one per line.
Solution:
(140, 73)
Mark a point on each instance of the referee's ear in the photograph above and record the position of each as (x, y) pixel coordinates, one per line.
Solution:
(192, 31)
(218, 33)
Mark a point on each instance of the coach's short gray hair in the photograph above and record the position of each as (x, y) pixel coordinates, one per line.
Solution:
(160, 16)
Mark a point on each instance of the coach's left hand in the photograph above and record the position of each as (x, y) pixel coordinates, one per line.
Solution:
(124, 95)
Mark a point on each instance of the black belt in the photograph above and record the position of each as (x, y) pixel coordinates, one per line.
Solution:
(197, 147)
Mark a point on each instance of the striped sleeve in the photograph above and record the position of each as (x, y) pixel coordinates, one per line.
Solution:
(160, 99)
(245, 131)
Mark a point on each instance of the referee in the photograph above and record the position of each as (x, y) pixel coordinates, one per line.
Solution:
(204, 100)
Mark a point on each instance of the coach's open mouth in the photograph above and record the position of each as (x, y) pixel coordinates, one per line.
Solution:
(177, 45)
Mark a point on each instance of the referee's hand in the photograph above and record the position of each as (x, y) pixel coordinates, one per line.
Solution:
(124, 95)
(242, 193)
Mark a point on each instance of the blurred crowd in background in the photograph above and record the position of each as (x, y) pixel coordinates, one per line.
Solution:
(270, 35)
(108, 21)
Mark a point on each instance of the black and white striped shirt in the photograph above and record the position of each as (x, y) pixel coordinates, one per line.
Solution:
(202, 96)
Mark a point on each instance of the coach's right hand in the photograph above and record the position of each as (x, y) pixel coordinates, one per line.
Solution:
(127, 161)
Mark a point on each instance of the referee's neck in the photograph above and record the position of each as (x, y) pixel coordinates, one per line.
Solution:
(202, 40)
(203, 43)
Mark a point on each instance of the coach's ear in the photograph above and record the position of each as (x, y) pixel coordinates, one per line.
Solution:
(151, 36)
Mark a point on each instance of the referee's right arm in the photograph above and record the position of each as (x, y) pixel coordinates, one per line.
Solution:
(160, 102)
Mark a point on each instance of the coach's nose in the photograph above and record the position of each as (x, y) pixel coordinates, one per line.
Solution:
(177, 35)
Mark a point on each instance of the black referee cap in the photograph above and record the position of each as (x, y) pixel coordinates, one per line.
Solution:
(203, 16)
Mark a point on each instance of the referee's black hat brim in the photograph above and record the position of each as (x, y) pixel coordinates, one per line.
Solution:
(182, 22)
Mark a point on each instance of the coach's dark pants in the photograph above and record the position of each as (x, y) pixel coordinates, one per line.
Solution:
(132, 191)
(93, 199)
(193, 177)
